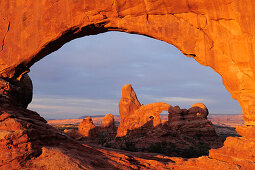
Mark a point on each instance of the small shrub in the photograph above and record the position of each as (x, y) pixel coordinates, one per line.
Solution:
(130, 146)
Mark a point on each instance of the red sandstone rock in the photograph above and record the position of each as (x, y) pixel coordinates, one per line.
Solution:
(151, 112)
(200, 110)
(27, 142)
(127, 106)
(134, 115)
(108, 121)
(187, 133)
(218, 33)
(86, 127)
(18, 92)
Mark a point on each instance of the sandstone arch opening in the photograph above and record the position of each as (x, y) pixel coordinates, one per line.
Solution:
(160, 57)
(217, 33)
(172, 81)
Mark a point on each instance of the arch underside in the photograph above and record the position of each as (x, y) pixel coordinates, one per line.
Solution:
(216, 34)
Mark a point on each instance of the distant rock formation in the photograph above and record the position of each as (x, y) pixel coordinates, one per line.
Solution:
(187, 133)
(108, 121)
(193, 122)
(86, 126)
(94, 133)
(127, 106)
(134, 115)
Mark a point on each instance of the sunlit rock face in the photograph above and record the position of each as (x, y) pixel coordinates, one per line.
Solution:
(134, 115)
(218, 33)
(108, 122)
(187, 133)
(86, 127)
(88, 130)
(127, 106)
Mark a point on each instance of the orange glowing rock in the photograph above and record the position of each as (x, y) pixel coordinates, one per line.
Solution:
(86, 126)
(134, 115)
(218, 34)
(108, 121)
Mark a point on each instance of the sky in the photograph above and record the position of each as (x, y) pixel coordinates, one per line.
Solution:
(86, 75)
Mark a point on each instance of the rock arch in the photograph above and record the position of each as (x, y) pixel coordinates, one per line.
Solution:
(219, 34)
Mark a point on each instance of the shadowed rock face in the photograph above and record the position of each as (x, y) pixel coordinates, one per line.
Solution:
(218, 33)
(18, 92)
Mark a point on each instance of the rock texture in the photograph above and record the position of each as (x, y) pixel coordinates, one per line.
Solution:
(108, 122)
(23, 133)
(127, 106)
(134, 115)
(219, 34)
(238, 150)
(87, 127)
(187, 133)
(27, 142)
(18, 92)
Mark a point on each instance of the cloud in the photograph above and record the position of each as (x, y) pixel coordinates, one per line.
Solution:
(87, 74)
(181, 99)
(57, 107)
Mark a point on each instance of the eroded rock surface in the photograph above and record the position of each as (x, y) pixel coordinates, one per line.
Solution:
(87, 127)
(187, 133)
(127, 106)
(27, 142)
(218, 33)
(134, 115)
(18, 92)
(108, 122)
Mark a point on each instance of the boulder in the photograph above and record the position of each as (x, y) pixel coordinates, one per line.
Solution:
(18, 92)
